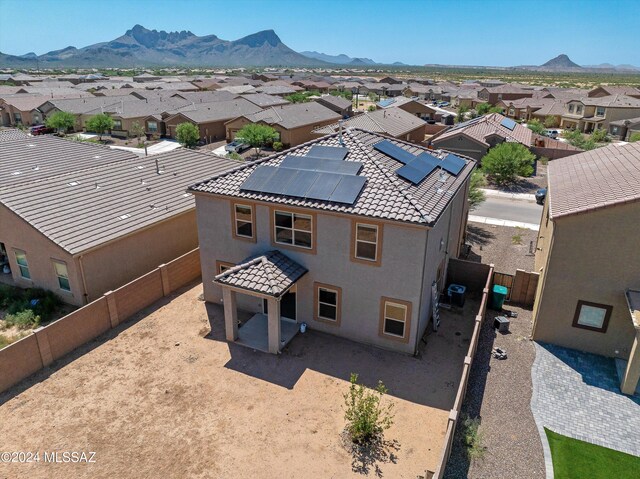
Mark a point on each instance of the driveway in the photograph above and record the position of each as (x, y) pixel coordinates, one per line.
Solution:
(577, 394)
(166, 396)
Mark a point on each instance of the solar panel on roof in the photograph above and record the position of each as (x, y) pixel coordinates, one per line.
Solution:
(453, 164)
(411, 174)
(323, 187)
(328, 152)
(419, 168)
(304, 181)
(508, 123)
(278, 183)
(320, 164)
(393, 151)
(348, 189)
(258, 178)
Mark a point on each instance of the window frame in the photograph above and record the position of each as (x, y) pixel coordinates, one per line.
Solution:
(407, 305)
(604, 111)
(354, 240)
(223, 264)
(605, 323)
(154, 129)
(234, 221)
(24, 253)
(293, 211)
(55, 271)
(316, 303)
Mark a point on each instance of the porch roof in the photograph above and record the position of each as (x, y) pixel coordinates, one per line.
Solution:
(633, 300)
(270, 274)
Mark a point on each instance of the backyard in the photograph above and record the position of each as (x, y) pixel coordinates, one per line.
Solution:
(166, 396)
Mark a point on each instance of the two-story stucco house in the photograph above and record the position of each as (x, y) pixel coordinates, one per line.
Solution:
(350, 234)
(589, 113)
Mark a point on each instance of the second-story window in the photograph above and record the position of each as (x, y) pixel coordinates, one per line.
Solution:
(243, 216)
(366, 242)
(600, 111)
(570, 108)
(579, 109)
(293, 229)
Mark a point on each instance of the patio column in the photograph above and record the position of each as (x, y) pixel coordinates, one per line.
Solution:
(274, 325)
(632, 373)
(230, 314)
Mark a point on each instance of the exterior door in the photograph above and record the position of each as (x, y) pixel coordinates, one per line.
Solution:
(288, 305)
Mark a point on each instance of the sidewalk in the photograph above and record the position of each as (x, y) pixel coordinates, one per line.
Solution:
(500, 222)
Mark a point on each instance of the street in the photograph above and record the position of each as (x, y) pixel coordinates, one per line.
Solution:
(520, 211)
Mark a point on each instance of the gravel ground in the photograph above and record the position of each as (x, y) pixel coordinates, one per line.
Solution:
(499, 391)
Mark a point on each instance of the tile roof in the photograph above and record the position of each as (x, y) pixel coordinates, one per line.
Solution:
(391, 121)
(594, 179)
(217, 111)
(385, 195)
(486, 125)
(336, 101)
(263, 100)
(617, 101)
(88, 207)
(271, 273)
(294, 115)
(10, 134)
(27, 159)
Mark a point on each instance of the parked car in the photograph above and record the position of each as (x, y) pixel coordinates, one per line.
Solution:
(40, 130)
(237, 146)
(552, 134)
(541, 195)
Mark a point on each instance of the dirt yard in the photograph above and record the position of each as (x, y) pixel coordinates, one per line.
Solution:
(166, 396)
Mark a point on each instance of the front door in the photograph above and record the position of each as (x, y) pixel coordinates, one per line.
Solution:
(287, 305)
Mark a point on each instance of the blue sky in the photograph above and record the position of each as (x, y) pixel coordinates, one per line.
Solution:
(456, 32)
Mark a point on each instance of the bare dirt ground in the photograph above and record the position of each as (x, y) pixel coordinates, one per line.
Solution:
(165, 396)
(525, 185)
(499, 391)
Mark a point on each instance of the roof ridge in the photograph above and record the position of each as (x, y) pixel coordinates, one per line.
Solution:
(268, 272)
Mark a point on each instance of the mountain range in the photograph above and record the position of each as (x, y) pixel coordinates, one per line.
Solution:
(341, 59)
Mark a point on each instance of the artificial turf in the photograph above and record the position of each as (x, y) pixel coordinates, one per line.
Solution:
(574, 459)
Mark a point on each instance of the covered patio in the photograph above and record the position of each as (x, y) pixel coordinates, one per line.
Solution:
(629, 371)
(269, 276)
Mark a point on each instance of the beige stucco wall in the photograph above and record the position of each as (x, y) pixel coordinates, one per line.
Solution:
(121, 261)
(288, 137)
(592, 257)
(463, 145)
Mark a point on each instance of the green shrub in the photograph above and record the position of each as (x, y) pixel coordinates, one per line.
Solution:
(550, 121)
(543, 160)
(472, 438)
(372, 108)
(536, 127)
(634, 137)
(277, 146)
(366, 418)
(26, 319)
(505, 162)
(234, 156)
(600, 135)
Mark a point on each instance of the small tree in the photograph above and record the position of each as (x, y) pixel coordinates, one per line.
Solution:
(483, 108)
(600, 136)
(187, 134)
(366, 418)
(62, 121)
(462, 112)
(550, 121)
(506, 161)
(100, 124)
(536, 127)
(138, 130)
(372, 108)
(257, 135)
(495, 109)
(476, 195)
(634, 137)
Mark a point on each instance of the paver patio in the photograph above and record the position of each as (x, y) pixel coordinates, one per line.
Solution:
(578, 395)
(163, 396)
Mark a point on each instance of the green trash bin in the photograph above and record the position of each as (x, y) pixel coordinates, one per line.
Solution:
(498, 297)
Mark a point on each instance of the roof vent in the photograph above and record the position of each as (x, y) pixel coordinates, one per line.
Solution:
(16, 173)
(30, 145)
(97, 157)
(74, 183)
(36, 168)
(186, 195)
(442, 177)
(142, 182)
(125, 216)
(97, 186)
(139, 167)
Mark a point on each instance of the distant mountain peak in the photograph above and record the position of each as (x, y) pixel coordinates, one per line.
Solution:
(561, 61)
(260, 38)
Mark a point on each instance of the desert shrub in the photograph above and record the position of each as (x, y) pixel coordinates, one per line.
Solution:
(277, 146)
(505, 162)
(366, 417)
(634, 137)
(536, 127)
(26, 319)
(472, 438)
(600, 135)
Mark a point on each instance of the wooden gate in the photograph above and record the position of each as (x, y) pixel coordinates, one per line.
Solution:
(525, 285)
(506, 280)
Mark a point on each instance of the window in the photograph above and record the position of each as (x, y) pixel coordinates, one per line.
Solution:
(293, 229)
(512, 112)
(570, 108)
(328, 300)
(17, 117)
(23, 265)
(62, 274)
(579, 109)
(600, 111)
(394, 318)
(614, 130)
(117, 124)
(243, 221)
(592, 316)
(366, 243)
(222, 266)
(152, 126)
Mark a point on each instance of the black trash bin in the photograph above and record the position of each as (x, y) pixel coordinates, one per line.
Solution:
(457, 292)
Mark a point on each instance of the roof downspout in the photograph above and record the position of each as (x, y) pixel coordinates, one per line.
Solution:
(85, 296)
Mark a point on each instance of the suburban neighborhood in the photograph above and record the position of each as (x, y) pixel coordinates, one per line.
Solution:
(236, 258)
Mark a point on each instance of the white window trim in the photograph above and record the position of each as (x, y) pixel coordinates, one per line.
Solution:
(293, 229)
(24, 253)
(355, 253)
(236, 220)
(54, 262)
(404, 322)
(336, 306)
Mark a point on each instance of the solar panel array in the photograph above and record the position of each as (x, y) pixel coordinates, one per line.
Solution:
(313, 185)
(508, 123)
(320, 175)
(417, 168)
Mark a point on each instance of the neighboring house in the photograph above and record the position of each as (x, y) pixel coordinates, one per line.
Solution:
(475, 137)
(10, 134)
(21, 109)
(392, 122)
(83, 108)
(588, 257)
(265, 101)
(589, 113)
(109, 215)
(493, 95)
(210, 118)
(278, 90)
(357, 254)
(623, 129)
(340, 105)
(410, 105)
(293, 123)
(609, 90)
